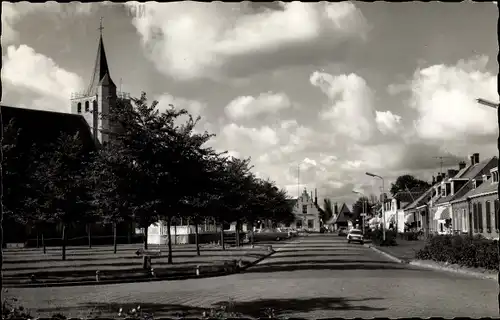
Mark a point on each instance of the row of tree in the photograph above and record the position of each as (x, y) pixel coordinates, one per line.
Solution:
(154, 167)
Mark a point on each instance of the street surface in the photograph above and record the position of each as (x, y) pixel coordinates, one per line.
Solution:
(313, 277)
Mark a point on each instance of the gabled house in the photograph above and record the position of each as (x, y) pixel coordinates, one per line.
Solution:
(399, 203)
(307, 213)
(454, 186)
(344, 217)
(416, 212)
(476, 212)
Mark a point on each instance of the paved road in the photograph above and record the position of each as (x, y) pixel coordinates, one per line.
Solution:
(313, 277)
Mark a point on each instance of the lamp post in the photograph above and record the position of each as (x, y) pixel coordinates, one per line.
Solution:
(383, 202)
(365, 205)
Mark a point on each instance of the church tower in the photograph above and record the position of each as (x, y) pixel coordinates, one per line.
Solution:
(99, 97)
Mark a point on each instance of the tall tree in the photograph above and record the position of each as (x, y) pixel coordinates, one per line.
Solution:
(408, 183)
(327, 209)
(65, 196)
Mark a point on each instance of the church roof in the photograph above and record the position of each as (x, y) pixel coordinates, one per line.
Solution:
(100, 74)
(344, 214)
(43, 127)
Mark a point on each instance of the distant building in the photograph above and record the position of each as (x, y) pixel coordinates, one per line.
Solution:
(307, 213)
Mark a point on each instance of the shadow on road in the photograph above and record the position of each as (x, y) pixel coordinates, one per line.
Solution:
(337, 265)
(250, 309)
(280, 307)
(315, 255)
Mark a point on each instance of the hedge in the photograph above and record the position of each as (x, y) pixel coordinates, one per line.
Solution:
(474, 252)
(376, 236)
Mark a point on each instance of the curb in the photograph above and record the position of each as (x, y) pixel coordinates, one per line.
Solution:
(423, 264)
(387, 255)
(119, 281)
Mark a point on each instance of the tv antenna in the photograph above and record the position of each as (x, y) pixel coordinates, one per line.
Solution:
(441, 162)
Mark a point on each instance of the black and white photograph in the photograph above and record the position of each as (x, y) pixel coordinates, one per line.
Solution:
(250, 160)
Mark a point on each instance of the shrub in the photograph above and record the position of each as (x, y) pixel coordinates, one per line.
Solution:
(10, 310)
(463, 250)
(409, 236)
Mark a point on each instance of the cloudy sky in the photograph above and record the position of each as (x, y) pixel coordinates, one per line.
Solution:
(335, 88)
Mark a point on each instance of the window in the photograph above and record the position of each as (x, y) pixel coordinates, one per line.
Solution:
(496, 205)
(94, 106)
(488, 216)
(465, 221)
(304, 208)
(419, 224)
(495, 177)
(87, 106)
(443, 192)
(310, 224)
(474, 185)
(79, 107)
(299, 224)
(474, 217)
(480, 216)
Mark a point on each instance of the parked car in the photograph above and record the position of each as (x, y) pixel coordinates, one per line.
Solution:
(342, 232)
(355, 235)
(290, 231)
(268, 234)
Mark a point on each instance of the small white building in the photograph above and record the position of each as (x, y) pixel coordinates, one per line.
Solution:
(185, 234)
(307, 213)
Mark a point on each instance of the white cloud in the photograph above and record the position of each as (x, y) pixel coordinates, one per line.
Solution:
(192, 40)
(257, 138)
(12, 13)
(387, 122)
(246, 107)
(27, 70)
(194, 107)
(350, 108)
(444, 97)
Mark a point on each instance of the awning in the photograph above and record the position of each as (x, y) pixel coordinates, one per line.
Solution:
(442, 213)
(409, 218)
(375, 220)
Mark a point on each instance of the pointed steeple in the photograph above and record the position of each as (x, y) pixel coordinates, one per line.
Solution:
(101, 68)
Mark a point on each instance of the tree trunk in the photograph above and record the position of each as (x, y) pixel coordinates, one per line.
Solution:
(175, 232)
(43, 244)
(63, 242)
(237, 234)
(196, 239)
(129, 233)
(222, 236)
(145, 246)
(37, 236)
(169, 223)
(115, 244)
(251, 234)
(89, 234)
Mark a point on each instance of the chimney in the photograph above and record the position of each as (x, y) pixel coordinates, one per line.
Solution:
(476, 158)
(336, 208)
(316, 196)
(461, 165)
(472, 160)
(439, 178)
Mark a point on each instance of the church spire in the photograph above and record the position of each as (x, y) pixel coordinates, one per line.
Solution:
(101, 68)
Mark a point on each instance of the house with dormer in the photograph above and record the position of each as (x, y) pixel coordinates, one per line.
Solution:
(476, 212)
(455, 185)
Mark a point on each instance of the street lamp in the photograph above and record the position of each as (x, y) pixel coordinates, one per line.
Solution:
(364, 209)
(383, 202)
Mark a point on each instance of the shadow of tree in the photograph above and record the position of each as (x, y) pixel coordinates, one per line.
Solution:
(281, 307)
(288, 266)
(263, 308)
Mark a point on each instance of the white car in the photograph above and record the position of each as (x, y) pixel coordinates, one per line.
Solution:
(355, 235)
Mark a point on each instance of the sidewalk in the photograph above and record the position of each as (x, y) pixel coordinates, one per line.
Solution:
(405, 252)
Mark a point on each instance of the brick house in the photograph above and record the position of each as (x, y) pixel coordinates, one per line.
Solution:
(453, 186)
(476, 212)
